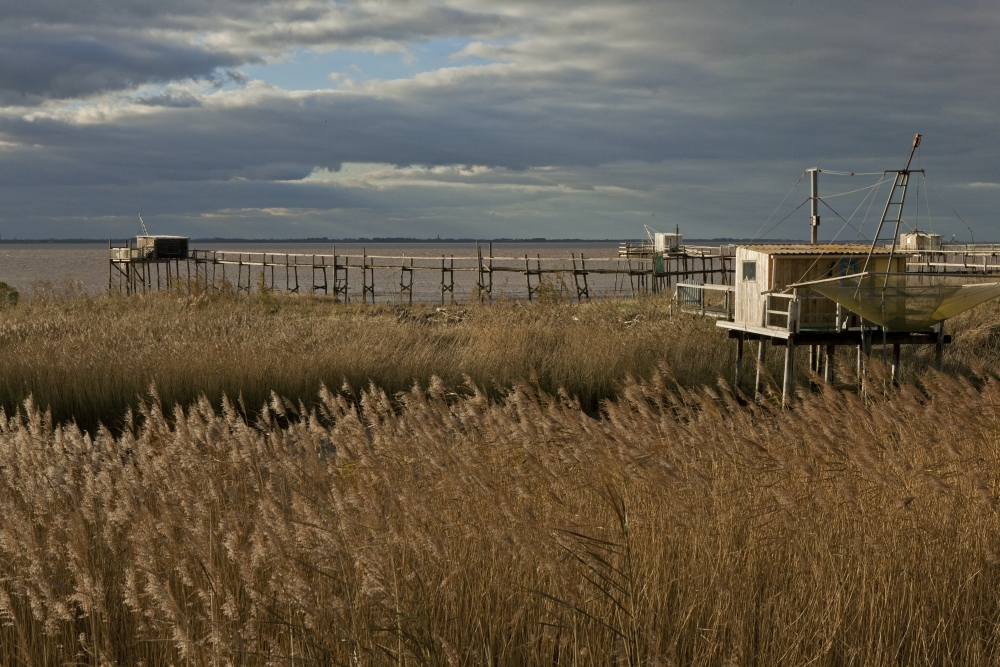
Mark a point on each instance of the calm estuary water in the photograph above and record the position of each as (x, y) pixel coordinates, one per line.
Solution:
(26, 266)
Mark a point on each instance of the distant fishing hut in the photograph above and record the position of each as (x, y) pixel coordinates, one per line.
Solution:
(144, 262)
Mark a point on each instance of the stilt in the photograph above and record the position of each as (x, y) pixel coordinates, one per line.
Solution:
(939, 347)
(896, 370)
(828, 369)
(787, 384)
(739, 360)
(864, 351)
(761, 357)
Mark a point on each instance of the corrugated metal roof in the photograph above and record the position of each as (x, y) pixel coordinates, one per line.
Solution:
(819, 249)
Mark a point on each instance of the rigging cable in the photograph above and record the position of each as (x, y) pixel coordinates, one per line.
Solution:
(870, 204)
(971, 235)
(757, 235)
(846, 221)
(842, 227)
(849, 192)
(916, 220)
(927, 205)
(775, 225)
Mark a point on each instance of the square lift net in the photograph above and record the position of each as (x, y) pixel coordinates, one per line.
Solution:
(907, 301)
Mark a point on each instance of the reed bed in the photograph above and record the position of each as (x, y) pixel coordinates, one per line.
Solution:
(90, 359)
(443, 527)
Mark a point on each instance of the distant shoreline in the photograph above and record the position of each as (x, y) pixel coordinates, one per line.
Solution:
(393, 240)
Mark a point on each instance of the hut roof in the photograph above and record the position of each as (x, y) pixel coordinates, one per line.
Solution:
(819, 249)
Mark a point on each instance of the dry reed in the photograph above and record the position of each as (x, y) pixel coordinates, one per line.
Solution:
(90, 359)
(446, 528)
(480, 520)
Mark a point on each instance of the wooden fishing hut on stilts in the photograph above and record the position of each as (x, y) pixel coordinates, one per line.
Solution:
(824, 295)
(771, 309)
(147, 263)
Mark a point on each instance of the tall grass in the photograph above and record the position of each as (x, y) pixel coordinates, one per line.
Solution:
(90, 359)
(447, 528)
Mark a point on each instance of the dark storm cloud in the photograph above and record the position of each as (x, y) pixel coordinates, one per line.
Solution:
(64, 50)
(35, 67)
(714, 109)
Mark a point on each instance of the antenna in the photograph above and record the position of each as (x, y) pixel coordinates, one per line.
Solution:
(145, 231)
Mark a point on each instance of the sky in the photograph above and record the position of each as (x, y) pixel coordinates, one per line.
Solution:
(473, 119)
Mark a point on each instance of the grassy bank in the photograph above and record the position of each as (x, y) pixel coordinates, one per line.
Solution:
(91, 359)
(493, 489)
(680, 528)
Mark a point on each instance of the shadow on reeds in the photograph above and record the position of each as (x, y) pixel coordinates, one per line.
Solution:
(91, 359)
(435, 527)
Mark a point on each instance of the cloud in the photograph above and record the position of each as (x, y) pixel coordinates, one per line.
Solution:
(574, 114)
(35, 67)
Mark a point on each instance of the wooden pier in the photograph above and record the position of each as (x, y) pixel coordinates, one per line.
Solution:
(968, 258)
(369, 278)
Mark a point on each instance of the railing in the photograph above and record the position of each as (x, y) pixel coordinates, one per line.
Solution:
(635, 249)
(781, 307)
(809, 318)
(710, 300)
(127, 254)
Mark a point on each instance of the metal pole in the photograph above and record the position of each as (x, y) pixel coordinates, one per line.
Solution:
(814, 208)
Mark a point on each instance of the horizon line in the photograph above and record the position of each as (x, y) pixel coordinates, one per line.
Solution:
(392, 239)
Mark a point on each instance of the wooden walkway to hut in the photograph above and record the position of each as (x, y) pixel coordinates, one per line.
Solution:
(368, 278)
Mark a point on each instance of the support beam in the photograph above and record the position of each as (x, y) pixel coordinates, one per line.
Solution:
(739, 361)
(939, 347)
(787, 383)
(896, 369)
(761, 352)
(864, 352)
(828, 369)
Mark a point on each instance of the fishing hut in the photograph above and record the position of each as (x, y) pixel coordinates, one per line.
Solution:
(147, 262)
(826, 295)
(919, 241)
(774, 303)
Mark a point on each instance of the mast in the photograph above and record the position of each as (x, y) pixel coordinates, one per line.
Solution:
(899, 185)
(814, 207)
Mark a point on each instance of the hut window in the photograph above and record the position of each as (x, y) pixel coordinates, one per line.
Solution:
(848, 267)
(749, 270)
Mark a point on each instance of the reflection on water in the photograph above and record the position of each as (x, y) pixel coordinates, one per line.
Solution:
(26, 265)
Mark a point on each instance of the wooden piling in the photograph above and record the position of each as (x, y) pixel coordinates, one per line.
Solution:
(739, 361)
(896, 369)
(787, 382)
(761, 358)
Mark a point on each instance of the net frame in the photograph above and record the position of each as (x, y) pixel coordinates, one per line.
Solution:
(906, 301)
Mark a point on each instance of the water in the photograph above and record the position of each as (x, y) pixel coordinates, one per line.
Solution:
(25, 266)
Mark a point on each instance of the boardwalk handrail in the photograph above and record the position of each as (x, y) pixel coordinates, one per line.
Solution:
(337, 274)
(690, 298)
